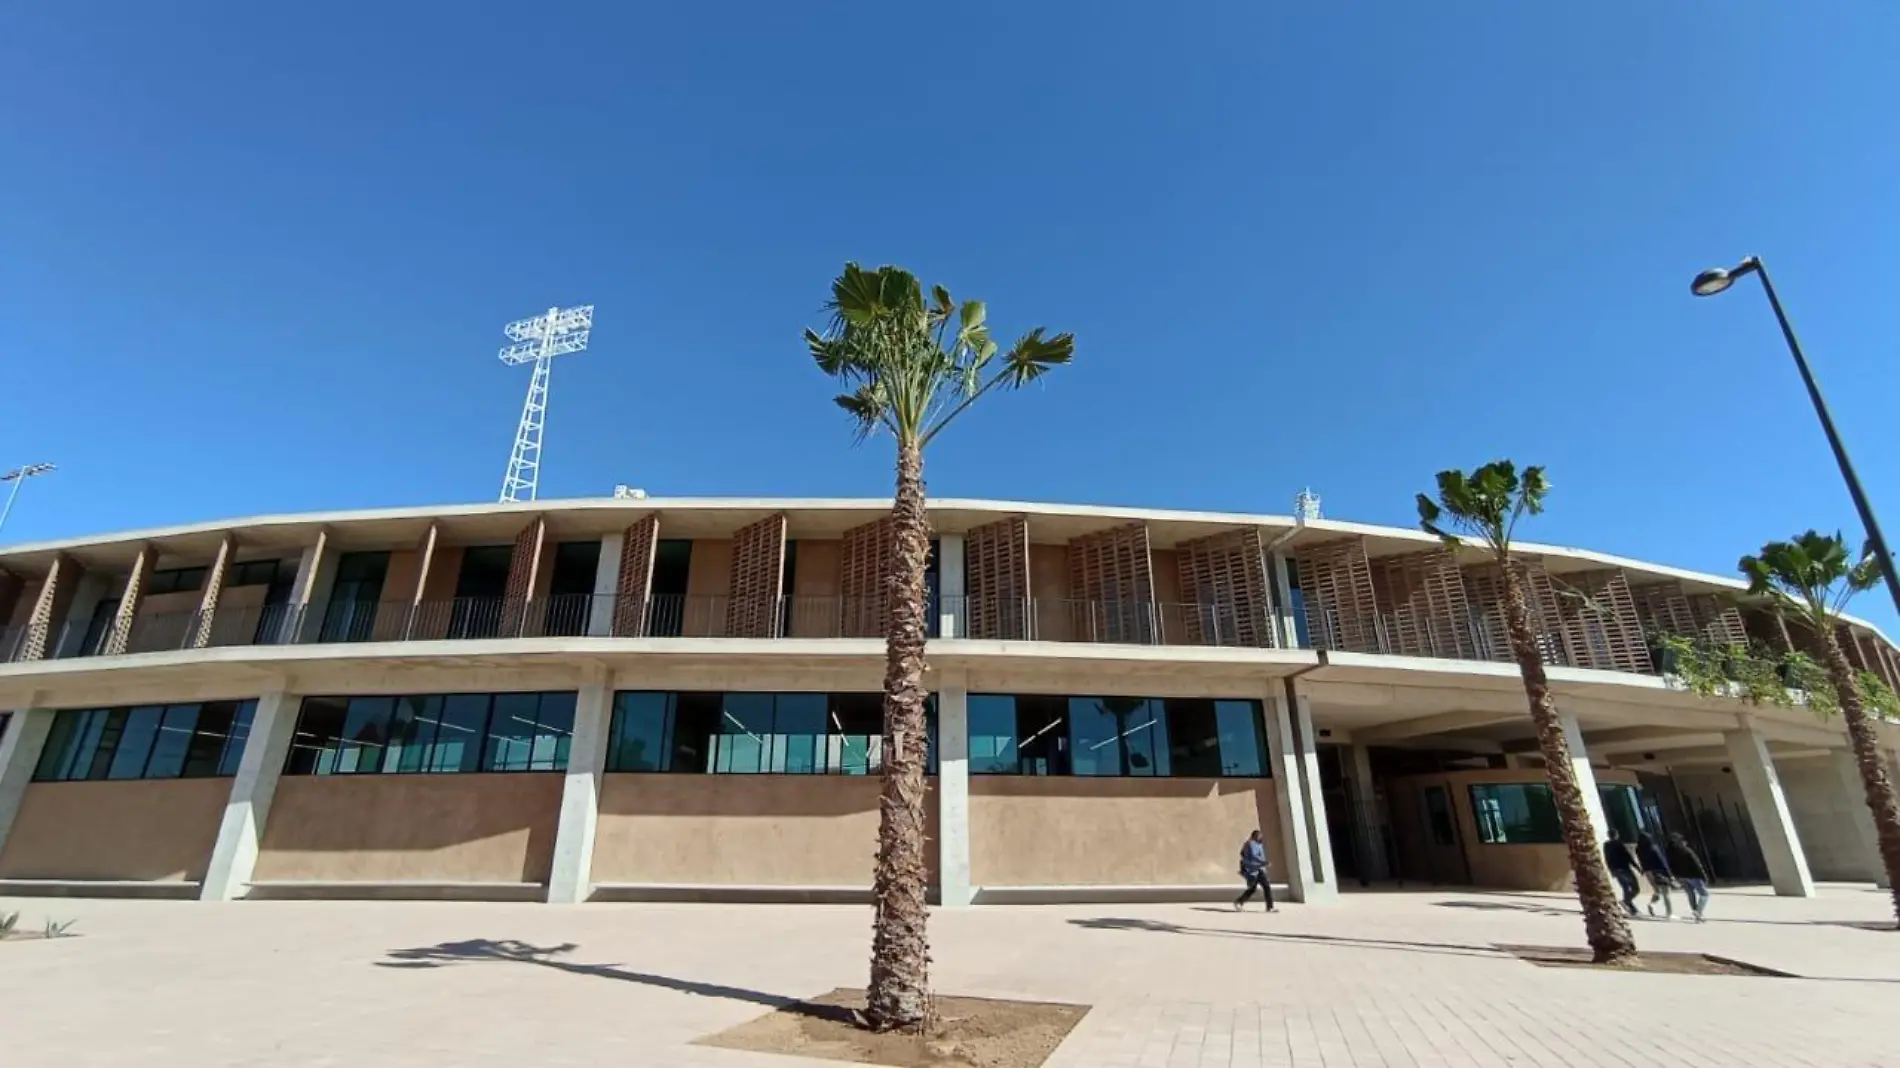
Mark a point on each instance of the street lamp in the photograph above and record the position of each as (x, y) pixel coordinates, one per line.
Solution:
(1715, 280)
(18, 476)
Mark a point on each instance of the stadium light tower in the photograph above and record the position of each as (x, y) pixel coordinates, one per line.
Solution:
(18, 477)
(538, 341)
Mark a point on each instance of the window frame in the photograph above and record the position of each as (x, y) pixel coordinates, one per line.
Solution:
(1488, 810)
(391, 755)
(84, 744)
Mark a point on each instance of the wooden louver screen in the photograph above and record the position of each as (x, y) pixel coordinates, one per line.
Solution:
(996, 571)
(1421, 597)
(1111, 575)
(1484, 595)
(1224, 579)
(634, 585)
(1336, 590)
(1665, 608)
(524, 565)
(865, 558)
(1601, 624)
(758, 574)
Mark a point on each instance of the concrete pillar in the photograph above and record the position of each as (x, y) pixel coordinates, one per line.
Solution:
(1369, 818)
(600, 611)
(310, 591)
(953, 796)
(20, 746)
(952, 594)
(1768, 813)
(1853, 794)
(571, 879)
(1294, 830)
(1586, 776)
(241, 831)
(1318, 828)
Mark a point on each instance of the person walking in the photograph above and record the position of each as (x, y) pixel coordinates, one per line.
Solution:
(1656, 868)
(1689, 868)
(1622, 865)
(1253, 868)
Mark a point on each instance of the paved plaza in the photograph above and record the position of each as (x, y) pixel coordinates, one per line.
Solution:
(1377, 979)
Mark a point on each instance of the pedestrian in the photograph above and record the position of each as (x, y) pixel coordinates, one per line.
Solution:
(1689, 868)
(1655, 867)
(1616, 857)
(1253, 869)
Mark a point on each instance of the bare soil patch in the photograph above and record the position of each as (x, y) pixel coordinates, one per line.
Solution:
(968, 1033)
(1646, 961)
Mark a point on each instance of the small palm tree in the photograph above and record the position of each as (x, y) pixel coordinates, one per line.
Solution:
(1811, 579)
(1486, 505)
(909, 365)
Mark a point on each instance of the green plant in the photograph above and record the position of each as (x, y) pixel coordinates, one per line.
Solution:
(1726, 669)
(8, 921)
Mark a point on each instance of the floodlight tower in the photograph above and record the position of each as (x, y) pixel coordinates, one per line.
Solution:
(538, 340)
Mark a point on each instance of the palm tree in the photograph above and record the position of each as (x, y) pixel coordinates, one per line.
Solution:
(1487, 505)
(909, 365)
(1811, 579)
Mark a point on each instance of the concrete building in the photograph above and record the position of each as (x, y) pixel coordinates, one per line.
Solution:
(678, 698)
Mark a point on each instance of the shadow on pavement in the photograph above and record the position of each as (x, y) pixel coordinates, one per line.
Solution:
(486, 949)
(1539, 906)
(1111, 923)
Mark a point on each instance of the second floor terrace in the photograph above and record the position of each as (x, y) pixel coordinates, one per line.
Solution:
(765, 570)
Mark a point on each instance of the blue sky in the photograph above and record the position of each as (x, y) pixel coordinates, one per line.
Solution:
(257, 257)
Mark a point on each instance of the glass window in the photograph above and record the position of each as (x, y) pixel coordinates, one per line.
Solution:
(313, 745)
(1515, 813)
(639, 736)
(992, 724)
(429, 733)
(148, 742)
(554, 732)
(1623, 809)
(512, 726)
(175, 733)
(458, 737)
(1438, 815)
(1117, 736)
(138, 730)
(412, 732)
(365, 733)
(754, 733)
(740, 747)
(234, 743)
(697, 718)
(210, 734)
(1042, 730)
(799, 734)
(855, 745)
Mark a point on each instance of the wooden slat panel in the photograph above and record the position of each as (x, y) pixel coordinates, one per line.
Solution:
(865, 558)
(1421, 601)
(758, 575)
(214, 591)
(1484, 593)
(1717, 619)
(1336, 586)
(1662, 608)
(1111, 576)
(639, 545)
(1603, 631)
(1849, 642)
(55, 597)
(1227, 593)
(129, 602)
(996, 569)
(524, 565)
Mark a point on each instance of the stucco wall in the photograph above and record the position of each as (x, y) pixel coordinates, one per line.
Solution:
(390, 828)
(1826, 821)
(1061, 831)
(708, 582)
(160, 830)
(743, 830)
(1504, 865)
(1049, 585)
(816, 583)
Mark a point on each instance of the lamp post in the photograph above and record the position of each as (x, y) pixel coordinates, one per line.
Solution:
(1715, 280)
(18, 476)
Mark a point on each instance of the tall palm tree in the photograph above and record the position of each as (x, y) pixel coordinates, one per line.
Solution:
(910, 365)
(1811, 579)
(1486, 505)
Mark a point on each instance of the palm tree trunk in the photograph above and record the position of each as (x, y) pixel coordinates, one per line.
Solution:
(899, 994)
(1873, 769)
(1604, 925)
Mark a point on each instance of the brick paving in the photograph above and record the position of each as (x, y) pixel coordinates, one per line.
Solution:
(1390, 979)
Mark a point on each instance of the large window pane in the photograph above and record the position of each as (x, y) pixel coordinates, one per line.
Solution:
(554, 732)
(640, 725)
(1243, 739)
(697, 719)
(172, 743)
(992, 722)
(1042, 730)
(1116, 736)
(1194, 730)
(365, 733)
(411, 733)
(741, 745)
(314, 744)
(856, 743)
(458, 738)
(799, 723)
(1515, 813)
(240, 733)
(64, 740)
(135, 742)
(511, 731)
(212, 731)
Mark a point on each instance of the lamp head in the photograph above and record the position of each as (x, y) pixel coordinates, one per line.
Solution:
(1712, 281)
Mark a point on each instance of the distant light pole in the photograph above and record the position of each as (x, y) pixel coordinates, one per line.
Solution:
(1715, 280)
(18, 476)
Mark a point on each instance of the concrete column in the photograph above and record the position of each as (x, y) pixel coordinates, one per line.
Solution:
(241, 831)
(1768, 813)
(600, 611)
(1366, 797)
(1586, 776)
(1325, 874)
(571, 878)
(952, 593)
(1294, 830)
(310, 591)
(1853, 794)
(20, 746)
(953, 796)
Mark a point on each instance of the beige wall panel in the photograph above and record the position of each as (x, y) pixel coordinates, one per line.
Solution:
(1060, 831)
(816, 610)
(743, 830)
(160, 830)
(444, 570)
(389, 828)
(1049, 586)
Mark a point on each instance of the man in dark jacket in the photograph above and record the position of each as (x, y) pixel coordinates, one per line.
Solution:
(1688, 867)
(1253, 868)
(1655, 867)
(1616, 857)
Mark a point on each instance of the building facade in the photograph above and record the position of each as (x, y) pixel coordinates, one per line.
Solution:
(680, 699)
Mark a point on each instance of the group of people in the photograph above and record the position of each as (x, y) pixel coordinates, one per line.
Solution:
(1665, 866)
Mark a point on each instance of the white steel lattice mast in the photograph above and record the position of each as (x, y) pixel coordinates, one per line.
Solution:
(538, 340)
